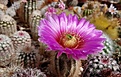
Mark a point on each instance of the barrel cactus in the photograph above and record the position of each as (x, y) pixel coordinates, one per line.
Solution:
(7, 25)
(27, 57)
(21, 39)
(6, 50)
(64, 67)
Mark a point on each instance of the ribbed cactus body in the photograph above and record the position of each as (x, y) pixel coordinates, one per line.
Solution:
(6, 50)
(7, 25)
(64, 67)
(29, 7)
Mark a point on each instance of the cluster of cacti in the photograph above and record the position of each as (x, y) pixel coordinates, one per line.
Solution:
(28, 73)
(21, 39)
(64, 67)
(99, 63)
(7, 25)
(16, 46)
(34, 23)
(6, 50)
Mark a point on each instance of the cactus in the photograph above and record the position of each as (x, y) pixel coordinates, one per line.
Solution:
(7, 25)
(34, 23)
(21, 39)
(27, 57)
(64, 67)
(6, 50)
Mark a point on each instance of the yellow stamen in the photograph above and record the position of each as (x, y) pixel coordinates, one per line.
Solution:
(69, 41)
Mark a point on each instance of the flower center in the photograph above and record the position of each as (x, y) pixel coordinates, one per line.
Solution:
(71, 41)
